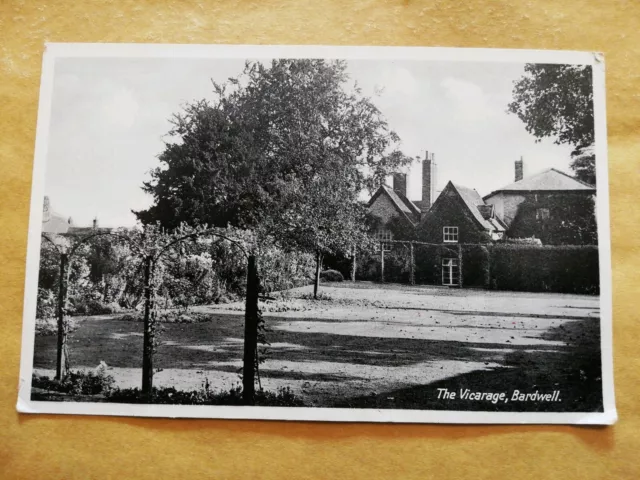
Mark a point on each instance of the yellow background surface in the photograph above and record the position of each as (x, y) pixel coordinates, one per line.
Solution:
(81, 447)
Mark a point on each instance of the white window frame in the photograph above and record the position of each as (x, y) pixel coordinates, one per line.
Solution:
(543, 214)
(450, 234)
(450, 277)
(384, 237)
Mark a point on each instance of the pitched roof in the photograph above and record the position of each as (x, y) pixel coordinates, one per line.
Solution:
(485, 210)
(497, 224)
(408, 203)
(472, 200)
(402, 203)
(548, 180)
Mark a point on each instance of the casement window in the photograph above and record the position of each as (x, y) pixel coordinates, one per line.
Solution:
(450, 234)
(384, 237)
(542, 214)
(450, 271)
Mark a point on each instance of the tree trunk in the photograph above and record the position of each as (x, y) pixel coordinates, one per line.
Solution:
(353, 266)
(147, 355)
(316, 281)
(250, 333)
(382, 262)
(62, 360)
(412, 273)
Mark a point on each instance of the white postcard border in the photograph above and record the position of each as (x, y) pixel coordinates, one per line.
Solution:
(60, 50)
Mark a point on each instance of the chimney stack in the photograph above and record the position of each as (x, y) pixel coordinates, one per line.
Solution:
(95, 222)
(400, 183)
(519, 169)
(428, 181)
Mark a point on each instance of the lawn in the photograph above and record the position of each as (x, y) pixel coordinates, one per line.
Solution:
(363, 345)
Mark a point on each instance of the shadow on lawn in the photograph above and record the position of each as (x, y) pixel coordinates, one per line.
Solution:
(574, 370)
(215, 345)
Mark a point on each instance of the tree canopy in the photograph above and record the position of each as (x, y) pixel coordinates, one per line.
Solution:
(284, 149)
(556, 101)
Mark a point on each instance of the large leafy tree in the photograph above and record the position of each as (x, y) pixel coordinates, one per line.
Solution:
(556, 101)
(251, 157)
(283, 150)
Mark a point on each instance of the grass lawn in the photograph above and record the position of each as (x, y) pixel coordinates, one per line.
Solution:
(368, 346)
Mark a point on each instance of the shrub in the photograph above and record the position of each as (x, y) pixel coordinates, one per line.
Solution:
(49, 326)
(331, 276)
(283, 397)
(84, 305)
(170, 316)
(563, 269)
(320, 296)
(428, 260)
(78, 382)
(280, 270)
(475, 266)
(47, 304)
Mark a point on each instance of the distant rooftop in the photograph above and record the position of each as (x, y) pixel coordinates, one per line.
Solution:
(548, 180)
(53, 222)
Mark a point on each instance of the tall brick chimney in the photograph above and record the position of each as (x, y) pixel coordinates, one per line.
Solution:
(400, 183)
(519, 169)
(428, 181)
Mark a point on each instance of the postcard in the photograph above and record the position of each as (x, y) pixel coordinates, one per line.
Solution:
(353, 234)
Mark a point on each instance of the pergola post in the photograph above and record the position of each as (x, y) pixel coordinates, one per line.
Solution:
(250, 333)
(147, 353)
(62, 359)
(412, 273)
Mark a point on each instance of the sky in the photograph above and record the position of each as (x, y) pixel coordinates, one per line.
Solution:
(109, 117)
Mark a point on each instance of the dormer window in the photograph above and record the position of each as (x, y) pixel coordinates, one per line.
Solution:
(450, 234)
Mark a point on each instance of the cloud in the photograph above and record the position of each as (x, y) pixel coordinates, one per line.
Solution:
(399, 81)
(120, 108)
(470, 103)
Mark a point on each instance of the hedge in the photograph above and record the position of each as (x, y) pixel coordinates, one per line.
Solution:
(520, 267)
(564, 269)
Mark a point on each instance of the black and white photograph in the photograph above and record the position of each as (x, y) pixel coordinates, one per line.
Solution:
(320, 233)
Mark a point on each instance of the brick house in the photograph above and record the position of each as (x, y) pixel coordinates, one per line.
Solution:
(390, 205)
(458, 216)
(551, 206)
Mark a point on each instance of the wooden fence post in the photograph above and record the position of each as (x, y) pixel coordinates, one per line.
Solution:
(460, 265)
(62, 360)
(250, 333)
(412, 274)
(147, 353)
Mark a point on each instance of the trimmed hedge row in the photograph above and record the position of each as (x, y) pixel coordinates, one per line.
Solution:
(520, 267)
(564, 269)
